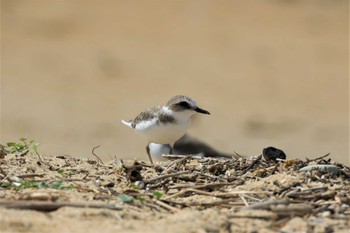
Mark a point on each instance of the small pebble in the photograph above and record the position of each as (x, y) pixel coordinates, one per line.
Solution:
(14, 179)
(139, 184)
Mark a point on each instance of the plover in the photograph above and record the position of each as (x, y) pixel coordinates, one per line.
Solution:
(164, 124)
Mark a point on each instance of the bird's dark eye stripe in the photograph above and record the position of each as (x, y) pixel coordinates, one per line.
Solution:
(184, 104)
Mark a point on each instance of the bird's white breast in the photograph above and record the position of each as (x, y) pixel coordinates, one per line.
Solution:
(164, 133)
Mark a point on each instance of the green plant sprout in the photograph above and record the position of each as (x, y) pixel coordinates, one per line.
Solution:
(157, 195)
(34, 184)
(124, 198)
(23, 147)
(63, 173)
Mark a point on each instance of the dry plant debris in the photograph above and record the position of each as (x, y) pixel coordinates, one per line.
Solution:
(238, 194)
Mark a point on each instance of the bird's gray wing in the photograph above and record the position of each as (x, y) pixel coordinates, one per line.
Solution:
(146, 115)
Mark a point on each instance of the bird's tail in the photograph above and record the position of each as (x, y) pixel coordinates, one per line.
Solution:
(127, 123)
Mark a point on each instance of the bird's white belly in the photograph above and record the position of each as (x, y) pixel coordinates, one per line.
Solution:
(163, 133)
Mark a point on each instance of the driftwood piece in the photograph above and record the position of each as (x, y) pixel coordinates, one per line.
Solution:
(52, 206)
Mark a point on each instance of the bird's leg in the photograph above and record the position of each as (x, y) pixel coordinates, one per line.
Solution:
(171, 148)
(149, 154)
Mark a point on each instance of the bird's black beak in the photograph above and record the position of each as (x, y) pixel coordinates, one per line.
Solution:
(199, 110)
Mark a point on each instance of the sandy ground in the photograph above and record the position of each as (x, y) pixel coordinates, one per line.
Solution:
(68, 194)
(272, 73)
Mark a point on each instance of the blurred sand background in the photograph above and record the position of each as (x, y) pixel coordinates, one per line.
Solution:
(272, 73)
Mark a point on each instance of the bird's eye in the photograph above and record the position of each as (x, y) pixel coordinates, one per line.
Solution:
(184, 104)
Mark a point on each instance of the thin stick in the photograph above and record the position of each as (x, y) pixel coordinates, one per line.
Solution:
(231, 202)
(252, 198)
(166, 206)
(23, 153)
(267, 204)
(166, 176)
(7, 176)
(176, 162)
(30, 175)
(236, 155)
(252, 164)
(171, 157)
(319, 158)
(243, 199)
(221, 195)
(210, 176)
(266, 217)
(203, 186)
(93, 152)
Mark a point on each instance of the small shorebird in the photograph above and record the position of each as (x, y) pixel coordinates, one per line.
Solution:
(164, 124)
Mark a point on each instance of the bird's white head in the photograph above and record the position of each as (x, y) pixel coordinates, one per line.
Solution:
(184, 105)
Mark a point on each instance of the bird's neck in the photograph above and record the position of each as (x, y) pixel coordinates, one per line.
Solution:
(183, 116)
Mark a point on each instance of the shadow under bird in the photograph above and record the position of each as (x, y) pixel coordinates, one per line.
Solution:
(189, 145)
(165, 124)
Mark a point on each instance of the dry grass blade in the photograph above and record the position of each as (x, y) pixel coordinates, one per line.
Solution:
(93, 152)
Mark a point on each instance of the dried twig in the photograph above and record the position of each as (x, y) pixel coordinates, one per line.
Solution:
(203, 186)
(222, 203)
(166, 206)
(176, 162)
(243, 199)
(93, 152)
(221, 195)
(267, 204)
(250, 197)
(166, 176)
(237, 156)
(30, 176)
(318, 158)
(252, 164)
(24, 153)
(210, 176)
(267, 216)
(172, 157)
